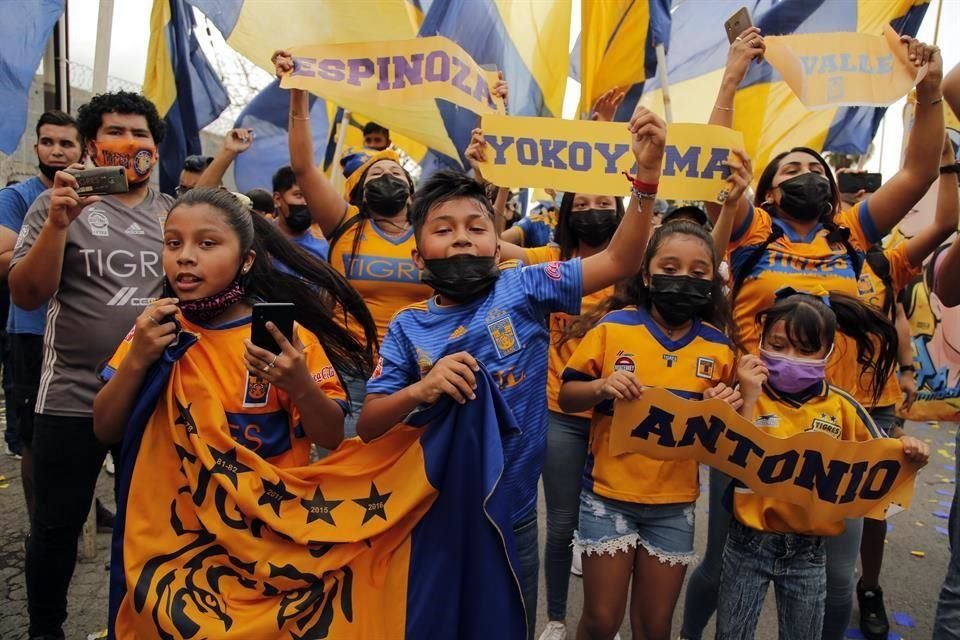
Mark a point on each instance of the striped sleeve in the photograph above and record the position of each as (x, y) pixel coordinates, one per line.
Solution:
(554, 286)
(396, 368)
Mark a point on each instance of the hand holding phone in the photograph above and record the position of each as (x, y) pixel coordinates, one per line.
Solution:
(737, 24)
(855, 182)
(281, 315)
(100, 181)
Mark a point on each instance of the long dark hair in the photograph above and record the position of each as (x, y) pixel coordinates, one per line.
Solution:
(356, 199)
(765, 183)
(312, 285)
(633, 291)
(566, 237)
(811, 324)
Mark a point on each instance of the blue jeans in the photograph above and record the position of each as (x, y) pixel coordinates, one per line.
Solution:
(947, 623)
(796, 564)
(357, 388)
(704, 584)
(11, 434)
(528, 554)
(567, 438)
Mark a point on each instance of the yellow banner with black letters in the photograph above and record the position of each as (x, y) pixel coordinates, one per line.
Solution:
(843, 69)
(392, 71)
(839, 479)
(583, 156)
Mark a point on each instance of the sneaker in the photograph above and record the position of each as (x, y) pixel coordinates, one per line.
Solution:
(576, 566)
(11, 453)
(555, 631)
(873, 615)
(105, 518)
(108, 464)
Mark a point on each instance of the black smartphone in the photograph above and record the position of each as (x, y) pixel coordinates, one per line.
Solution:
(280, 314)
(100, 181)
(856, 182)
(737, 24)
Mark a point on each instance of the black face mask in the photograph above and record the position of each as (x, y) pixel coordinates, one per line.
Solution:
(298, 219)
(387, 196)
(806, 197)
(594, 226)
(679, 299)
(49, 170)
(461, 278)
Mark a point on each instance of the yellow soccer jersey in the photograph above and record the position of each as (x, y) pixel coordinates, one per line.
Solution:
(629, 340)
(562, 346)
(825, 409)
(804, 263)
(261, 417)
(873, 291)
(382, 271)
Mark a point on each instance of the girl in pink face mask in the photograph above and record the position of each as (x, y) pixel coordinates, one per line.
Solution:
(785, 393)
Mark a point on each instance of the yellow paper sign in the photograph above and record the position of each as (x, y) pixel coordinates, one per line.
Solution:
(836, 478)
(843, 69)
(590, 157)
(387, 72)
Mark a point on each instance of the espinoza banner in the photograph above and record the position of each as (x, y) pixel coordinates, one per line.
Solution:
(843, 69)
(590, 157)
(836, 478)
(385, 72)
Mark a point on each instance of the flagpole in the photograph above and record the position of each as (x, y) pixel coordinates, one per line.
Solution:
(936, 26)
(664, 83)
(101, 57)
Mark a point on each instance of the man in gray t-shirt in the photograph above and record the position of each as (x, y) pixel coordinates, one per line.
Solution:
(98, 263)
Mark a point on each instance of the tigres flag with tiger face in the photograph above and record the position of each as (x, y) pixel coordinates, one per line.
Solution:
(408, 536)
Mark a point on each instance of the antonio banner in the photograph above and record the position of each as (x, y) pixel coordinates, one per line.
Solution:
(843, 69)
(394, 71)
(821, 474)
(590, 157)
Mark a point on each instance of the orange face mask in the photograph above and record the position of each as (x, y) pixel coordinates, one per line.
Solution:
(136, 157)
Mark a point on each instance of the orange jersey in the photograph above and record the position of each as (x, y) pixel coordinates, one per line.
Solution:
(261, 417)
(562, 345)
(629, 340)
(873, 291)
(825, 409)
(383, 271)
(804, 263)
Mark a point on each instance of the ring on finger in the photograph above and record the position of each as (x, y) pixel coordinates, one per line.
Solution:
(266, 368)
(154, 320)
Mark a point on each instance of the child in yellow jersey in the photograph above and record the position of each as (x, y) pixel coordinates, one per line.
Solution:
(219, 259)
(665, 327)
(785, 393)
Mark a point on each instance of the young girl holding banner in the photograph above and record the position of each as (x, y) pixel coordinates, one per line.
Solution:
(785, 393)
(664, 327)
(795, 234)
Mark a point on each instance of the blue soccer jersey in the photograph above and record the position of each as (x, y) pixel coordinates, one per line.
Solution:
(507, 332)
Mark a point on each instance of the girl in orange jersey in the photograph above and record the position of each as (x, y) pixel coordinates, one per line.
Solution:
(218, 259)
(786, 389)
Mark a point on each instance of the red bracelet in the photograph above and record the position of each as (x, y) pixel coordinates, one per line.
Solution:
(645, 187)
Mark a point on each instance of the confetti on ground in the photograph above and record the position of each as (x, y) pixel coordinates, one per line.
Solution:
(944, 492)
(946, 503)
(946, 454)
(889, 527)
(941, 514)
(5, 485)
(918, 554)
(919, 524)
(942, 531)
(949, 467)
(904, 619)
(854, 634)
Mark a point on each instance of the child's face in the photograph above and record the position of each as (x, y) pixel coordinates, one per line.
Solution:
(201, 252)
(456, 227)
(683, 255)
(776, 340)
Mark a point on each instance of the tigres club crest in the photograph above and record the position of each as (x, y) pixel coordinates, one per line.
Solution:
(142, 162)
(504, 336)
(825, 426)
(705, 368)
(256, 391)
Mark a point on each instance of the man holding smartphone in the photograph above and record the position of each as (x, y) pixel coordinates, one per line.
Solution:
(98, 263)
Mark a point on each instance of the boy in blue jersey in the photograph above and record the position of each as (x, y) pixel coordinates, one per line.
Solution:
(496, 315)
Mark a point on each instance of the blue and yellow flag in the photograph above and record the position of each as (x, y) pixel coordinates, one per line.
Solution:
(182, 84)
(768, 113)
(406, 537)
(617, 49)
(24, 31)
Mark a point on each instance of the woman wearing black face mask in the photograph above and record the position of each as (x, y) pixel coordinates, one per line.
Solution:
(370, 238)
(795, 234)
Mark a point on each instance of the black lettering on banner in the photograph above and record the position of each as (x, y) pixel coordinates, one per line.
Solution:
(827, 480)
(787, 462)
(857, 470)
(744, 447)
(657, 422)
(890, 469)
(697, 430)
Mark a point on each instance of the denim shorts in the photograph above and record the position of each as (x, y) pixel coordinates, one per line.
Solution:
(609, 526)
